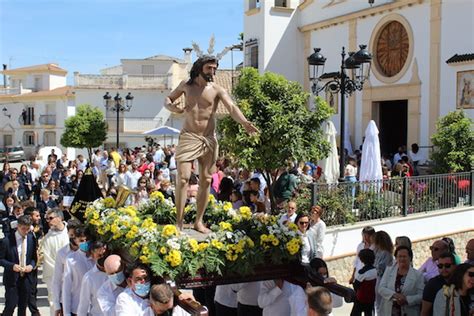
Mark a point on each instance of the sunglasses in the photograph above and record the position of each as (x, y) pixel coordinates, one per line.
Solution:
(50, 218)
(303, 223)
(446, 265)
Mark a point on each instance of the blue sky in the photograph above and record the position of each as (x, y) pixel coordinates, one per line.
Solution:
(88, 35)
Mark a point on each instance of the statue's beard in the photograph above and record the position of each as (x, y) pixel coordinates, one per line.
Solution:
(207, 77)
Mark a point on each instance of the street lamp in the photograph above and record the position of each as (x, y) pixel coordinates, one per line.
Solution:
(117, 105)
(359, 66)
(5, 112)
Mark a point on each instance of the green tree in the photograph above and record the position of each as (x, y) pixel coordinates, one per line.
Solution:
(453, 143)
(86, 129)
(289, 131)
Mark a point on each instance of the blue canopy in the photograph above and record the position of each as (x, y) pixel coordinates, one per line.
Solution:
(163, 130)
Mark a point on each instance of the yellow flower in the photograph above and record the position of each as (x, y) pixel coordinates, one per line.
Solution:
(227, 206)
(163, 250)
(95, 215)
(169, 230)
(135, 245)
(144, 259)
(225, 226)
(250, 242)
(174, 258)
(109, 202)
(157, 195)
(263, 238)
(114, 228)
(149, 225)
(212, 199)
(193, 244)
(292, 226)
(217, 244)
(293, 246)
(231, 256)
(245, 212)
(146, 250)
(203, 246)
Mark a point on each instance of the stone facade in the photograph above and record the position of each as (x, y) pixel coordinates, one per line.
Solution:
(341, 267)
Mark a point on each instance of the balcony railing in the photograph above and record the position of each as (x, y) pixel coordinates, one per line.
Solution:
(122, 81)
(47, 119)
(26, 120)
(374, 200)
(5, 91)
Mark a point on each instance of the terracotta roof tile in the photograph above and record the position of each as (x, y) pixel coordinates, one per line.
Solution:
(36, 68)
(66, 91)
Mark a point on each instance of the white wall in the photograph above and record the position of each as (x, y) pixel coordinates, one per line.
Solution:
(56, 81)
(461, 43)
(344, 240)
(254, 29)
(134, 67)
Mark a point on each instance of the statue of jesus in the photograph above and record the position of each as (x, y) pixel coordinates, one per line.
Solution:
(198, 138)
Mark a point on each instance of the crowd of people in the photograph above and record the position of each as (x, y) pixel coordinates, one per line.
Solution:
(83, 277)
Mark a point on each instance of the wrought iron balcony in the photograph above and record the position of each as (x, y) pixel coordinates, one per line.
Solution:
(47, 119)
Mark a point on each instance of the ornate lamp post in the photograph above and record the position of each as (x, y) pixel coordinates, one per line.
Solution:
(117, 105)
(359, 66)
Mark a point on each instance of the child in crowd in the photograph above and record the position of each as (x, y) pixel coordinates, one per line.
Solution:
(364, 284)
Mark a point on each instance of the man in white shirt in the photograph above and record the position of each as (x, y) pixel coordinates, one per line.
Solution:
(134, 300)
(273, 298)
(159, 156)
(77, 265)
(162, 301)
(116, 284)
(134, 176)
(92, 281)
(81, 163)
(247, 298)
(56, 238)
(225, 300)
(290, 215)
(59, 264)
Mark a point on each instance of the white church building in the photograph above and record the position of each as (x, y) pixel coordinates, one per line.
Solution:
(422, 67)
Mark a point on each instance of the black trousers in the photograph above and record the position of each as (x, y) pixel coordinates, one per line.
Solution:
(358, 308)
(32, 305)
(17, 296)
(222, 310)
(205, 296)
(248, 310)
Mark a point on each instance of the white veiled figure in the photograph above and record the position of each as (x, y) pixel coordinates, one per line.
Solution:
(330, 164)
(371, 165)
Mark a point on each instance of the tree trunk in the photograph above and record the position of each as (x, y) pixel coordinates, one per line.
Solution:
(267, 175)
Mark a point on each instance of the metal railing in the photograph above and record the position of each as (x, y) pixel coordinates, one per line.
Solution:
(123, 81)
(348, 202)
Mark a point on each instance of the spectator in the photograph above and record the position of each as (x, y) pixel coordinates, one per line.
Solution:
(135, 175)
(319, 301)
(430, 267)
(273, 297)
(446, 267)
(226, 185)
(225, 300)
(316, 232)
(454, 299)
(364, 284)
(302, 221)
(123, 175)
(416, 157)
(165, 171)
(134, 299)
(236, 199)
(402, 241)
(383, 259)
(115, 284)
(401, 287)
(256, 204)
(470, 252)
(367, 242)
(247, 298)
(285, 186)
(166, 190)
(290, 215)
(452, 249)
(115, 156)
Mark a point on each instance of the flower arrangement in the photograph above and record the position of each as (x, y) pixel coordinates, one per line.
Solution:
(239, 241)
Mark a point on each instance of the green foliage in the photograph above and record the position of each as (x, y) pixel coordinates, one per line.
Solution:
(289, 131)
(337, 205)
(453, 143)
(86, 129)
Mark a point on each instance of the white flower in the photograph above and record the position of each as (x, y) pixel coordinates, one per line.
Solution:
(173, 243)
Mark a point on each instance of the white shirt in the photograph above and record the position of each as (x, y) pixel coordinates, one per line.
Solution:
(351, 171)
(122, 178)
(91, 283)
(177, 311)
(130, 304)
(77, 265)
(284, 218)
(226, 296)
(299, 303)
(52, 242)
(58, 275)
(416, 156)
(165, 173)
(305, 249)
(159, 156)
(19, 242)
(316, 235)
(81, 165)
(247, 293)
(274, 300)
(133, 179)
(107, 296)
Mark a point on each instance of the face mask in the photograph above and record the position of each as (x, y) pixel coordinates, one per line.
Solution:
(117, 278)
(84, 246)
(142, 289)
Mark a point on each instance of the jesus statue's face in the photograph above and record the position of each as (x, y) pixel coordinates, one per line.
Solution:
(208, 71)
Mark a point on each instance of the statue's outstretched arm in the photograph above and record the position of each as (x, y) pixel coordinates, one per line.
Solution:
(235, 112)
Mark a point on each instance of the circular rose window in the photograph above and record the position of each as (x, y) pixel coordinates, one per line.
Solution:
(392, 47)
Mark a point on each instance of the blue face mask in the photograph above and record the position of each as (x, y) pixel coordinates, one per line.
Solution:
(117, 278)
(84, 246)
(142, 289)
